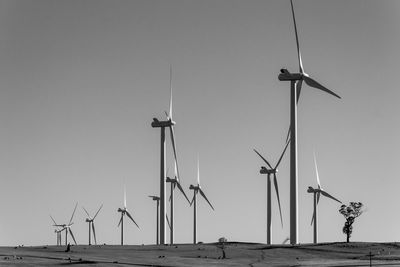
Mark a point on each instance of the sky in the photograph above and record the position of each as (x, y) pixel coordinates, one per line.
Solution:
(80, 82)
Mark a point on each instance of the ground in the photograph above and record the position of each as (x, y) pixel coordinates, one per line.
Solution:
(237, 254)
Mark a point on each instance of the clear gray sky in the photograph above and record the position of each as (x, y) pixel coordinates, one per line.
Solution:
(81, 81)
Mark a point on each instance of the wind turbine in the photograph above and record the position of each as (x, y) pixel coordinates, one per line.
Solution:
(58, 231)
(317, 192)
(124, 212)
(196, 189)
(169, 123)
(271, 171)
(174, 182)
(90, 221)
(67, 227)
(157, 199)
(296, 80)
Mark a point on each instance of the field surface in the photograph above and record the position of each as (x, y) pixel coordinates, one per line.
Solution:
(237, 254)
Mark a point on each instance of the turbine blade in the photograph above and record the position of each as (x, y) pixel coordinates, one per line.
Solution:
(120, 221)
(329, 196)
(198, 170)
(183, 192)
(73, 213)
(170, 88)
(298, 86)
(98, 211)
(72, 235)
(277, 195)
(316, 171)
(297, 40)
(284, 150)
(313, 218)
(171, 128)
(124, 197)
(94, 233)
(313, 83)
(288, 134)
(53, 220)
(86, 212)
(204, 196)
(269, 165)
(191, 202)
(169, 224)
(130, 217)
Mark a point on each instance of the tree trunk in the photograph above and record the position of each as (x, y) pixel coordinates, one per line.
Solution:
(348, 238)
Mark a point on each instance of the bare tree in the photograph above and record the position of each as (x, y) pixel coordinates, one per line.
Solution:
(350, 213)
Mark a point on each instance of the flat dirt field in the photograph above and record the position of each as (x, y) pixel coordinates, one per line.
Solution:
(237, 254)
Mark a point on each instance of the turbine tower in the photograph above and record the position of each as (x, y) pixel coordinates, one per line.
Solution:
(124, 212)
(169, 123)
(90, 221)
(67, 227)
(271, 171)
(296, 80)
(174, 182)
(317, 192)
(157, 199)
(196, 189)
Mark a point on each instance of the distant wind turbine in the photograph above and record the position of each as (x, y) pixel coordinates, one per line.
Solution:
(296, 80)
(174, 182)
(58, 231)
(90, 221)
(169, 123)
(157, 199)
(271, 171)
(197, 189)
(67, 227)
(317, 192)
(124, 212)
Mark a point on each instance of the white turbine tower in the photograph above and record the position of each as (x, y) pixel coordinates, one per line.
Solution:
(169, 123)
(197, 189)
(124, 211)
(296, 80)
(90, 221)
(271, 171)
(317, 192)
(67, 227)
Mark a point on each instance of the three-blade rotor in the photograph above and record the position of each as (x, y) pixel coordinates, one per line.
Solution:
(197, 188)
(273, 171)
(319, 191)
(304, 76)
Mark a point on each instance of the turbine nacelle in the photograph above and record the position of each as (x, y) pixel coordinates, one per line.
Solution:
(171, 180)
(285, 75)
(311, 190)
(155, 198)
(265, 170)
(194, 187)
(121, 210)
(158, 124)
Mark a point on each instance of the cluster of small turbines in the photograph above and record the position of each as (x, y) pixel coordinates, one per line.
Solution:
(296, 81)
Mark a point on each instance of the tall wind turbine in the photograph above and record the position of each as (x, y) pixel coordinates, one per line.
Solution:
(124, 212)
(271, 171)
(169, 123)
(317, 192)
(196, 189)
(296, 80)
(90, 221)
(67, 227)
(174, 182)
(157, 199)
